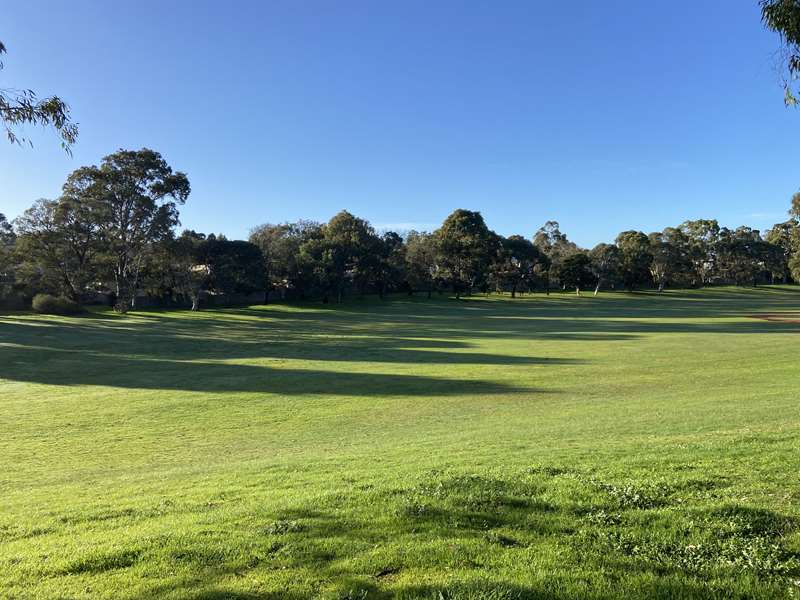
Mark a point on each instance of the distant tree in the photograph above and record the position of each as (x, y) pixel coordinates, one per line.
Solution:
(7, 242)
(20, 108)
(515, 266)
(272, 240)
(635, 254)
(556, 247)
(573, 272)
(794, 211)
(58, 245)
(134, 197)
(605, 263)
(786, 237)
(783, 17)
(421, 261)
(464, 246)
(794, 266)
(702, 239)
(286, 267)
(193, 264)
(742, 255)
(389, 262)
(340, 254)
(670, 256)
(233, 266)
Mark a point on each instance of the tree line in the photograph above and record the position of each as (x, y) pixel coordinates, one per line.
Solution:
(113, 231)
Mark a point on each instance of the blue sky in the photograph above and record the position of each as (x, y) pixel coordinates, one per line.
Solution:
(604, 116)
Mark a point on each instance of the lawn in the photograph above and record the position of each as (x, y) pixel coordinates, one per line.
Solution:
(636, 445)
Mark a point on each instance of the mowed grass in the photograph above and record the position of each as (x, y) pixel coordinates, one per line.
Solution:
(557, 447)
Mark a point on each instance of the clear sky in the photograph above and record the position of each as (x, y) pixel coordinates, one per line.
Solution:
(604, 116)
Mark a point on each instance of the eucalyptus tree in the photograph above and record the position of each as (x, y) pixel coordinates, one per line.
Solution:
(23, 107)
(605, 263)
(134, 197)
(277, 252)
(389, 262)
(702, 240)
(574, 273)
(515, 266)
(635, 254)
(59, 245)
(783, 17)
(7, 243)
(786, 237)
(234, 266)
(421, 261)
(670, 255)
(465, 246)
(339, 255)
(555, 246)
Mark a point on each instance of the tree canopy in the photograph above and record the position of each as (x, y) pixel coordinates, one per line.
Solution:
(23, 107)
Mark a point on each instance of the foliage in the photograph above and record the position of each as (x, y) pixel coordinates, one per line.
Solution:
(58, 246)
(605, 264)
(635, 258)
(783, 17)
(464, 244)
(133, 197)
(233, 266)
(515, 265)
(573, 272)
(23, 107)
(422, 264)
(55, 305)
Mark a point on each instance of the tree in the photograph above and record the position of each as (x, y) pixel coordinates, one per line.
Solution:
(605, 264)
(192, 268)
(272, 240)
(463, 243)
(421, 261)
(233, 266)
(742, 255)
(634, 247)
(573, 272)
(19, 108)
(670, 255)
(58, 244)
(555, 246)
(786, 237)
(783, 17)
(389, 262)
(134, 197)
(515, 266)
(339, 255)
(702, 239)
(7, 243)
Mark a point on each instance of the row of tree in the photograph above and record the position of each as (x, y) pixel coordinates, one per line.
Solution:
(113, 232)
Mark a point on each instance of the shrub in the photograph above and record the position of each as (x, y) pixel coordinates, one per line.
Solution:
(55, 305)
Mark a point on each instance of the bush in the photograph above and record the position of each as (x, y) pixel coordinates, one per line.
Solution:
(55, 305)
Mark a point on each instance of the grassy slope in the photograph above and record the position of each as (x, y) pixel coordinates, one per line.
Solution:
(538, 448)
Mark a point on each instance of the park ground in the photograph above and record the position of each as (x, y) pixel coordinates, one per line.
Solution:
(628, 445)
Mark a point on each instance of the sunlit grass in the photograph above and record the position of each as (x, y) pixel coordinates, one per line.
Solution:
(544, 447)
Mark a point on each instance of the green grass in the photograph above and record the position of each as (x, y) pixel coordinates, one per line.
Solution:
(626, 445)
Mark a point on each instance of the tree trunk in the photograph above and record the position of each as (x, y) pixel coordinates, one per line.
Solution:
(577, 291)
(597, 287)
(514, 291)
(195, 303)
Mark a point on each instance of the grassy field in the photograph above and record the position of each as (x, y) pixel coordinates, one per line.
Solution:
(626, 445)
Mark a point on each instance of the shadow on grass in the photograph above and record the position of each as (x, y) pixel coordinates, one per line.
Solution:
(188, 351)
(466, 526)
